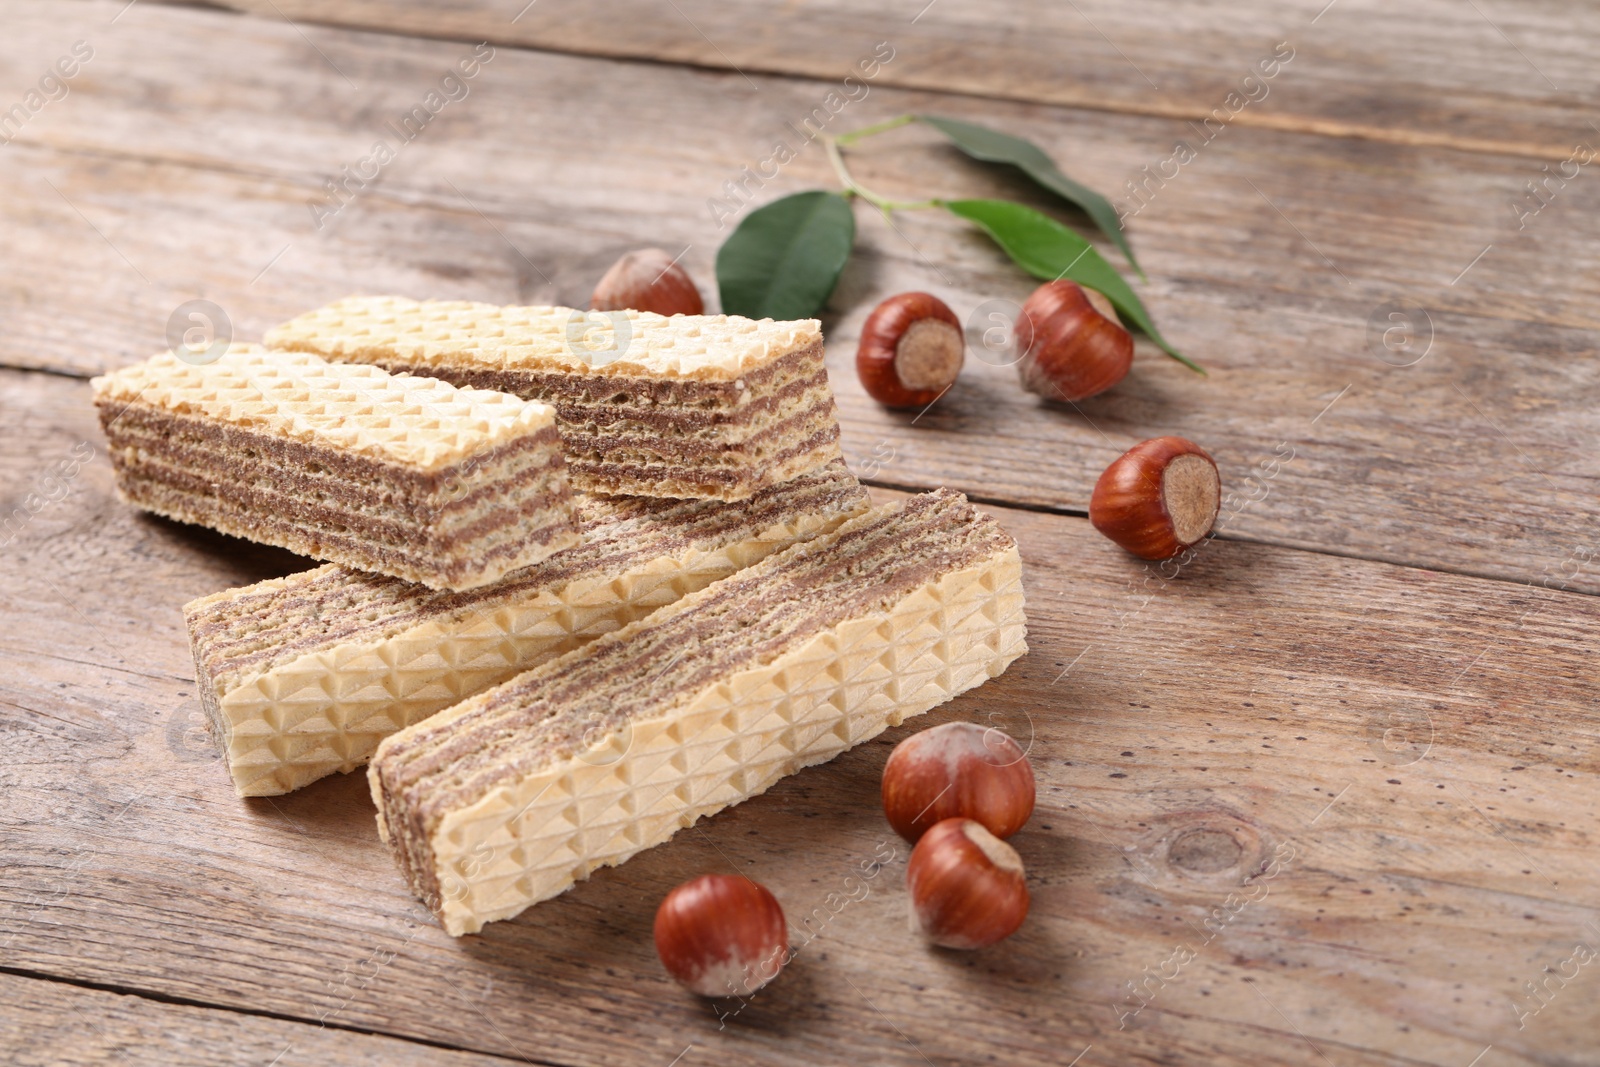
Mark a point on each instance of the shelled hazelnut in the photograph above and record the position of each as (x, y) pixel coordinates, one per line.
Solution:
(1158, 498)
(911, 350)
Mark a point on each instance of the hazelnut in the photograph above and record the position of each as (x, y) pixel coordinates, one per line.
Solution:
(647, 280)
(911, 350)
(721, 935)
(967, 886)
(1158, 498)
(1072, 345)
(961, 770)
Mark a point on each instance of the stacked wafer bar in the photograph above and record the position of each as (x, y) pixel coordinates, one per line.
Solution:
(712, 406)
(534, 707)
(303, 676)
(408, 476)
(509, 797)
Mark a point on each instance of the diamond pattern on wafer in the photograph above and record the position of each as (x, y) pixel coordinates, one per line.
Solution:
(482, 833)
(532, 841)
(407, 476)
(422, 423)
(284, 720)
(702, 406)
(429, 332)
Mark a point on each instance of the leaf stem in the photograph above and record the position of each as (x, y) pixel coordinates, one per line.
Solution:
(852, 136)
(855, 188)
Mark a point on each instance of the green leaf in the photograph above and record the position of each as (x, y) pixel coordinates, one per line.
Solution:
(1046, 249)
(783, 259)
(992, 146)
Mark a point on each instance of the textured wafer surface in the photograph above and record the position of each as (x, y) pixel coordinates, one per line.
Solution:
(704, 406)
(478, 855)
(410, 477)
(431, 332)
(303, 676)
(422, 423)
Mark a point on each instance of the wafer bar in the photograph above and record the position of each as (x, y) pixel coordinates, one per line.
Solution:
(510, 797)
(401, 475)
(711, 406)
(303, 676)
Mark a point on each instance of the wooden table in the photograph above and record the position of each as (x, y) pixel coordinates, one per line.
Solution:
(1381, 674)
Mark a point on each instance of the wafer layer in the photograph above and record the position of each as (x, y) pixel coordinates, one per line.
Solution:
(711, 406)
(510, 797)
(304, 676)
(400, 475)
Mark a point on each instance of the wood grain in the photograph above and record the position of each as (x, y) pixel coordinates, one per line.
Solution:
(1496, 77)
(56, 1024)
(1417, 749)
(1270, 257)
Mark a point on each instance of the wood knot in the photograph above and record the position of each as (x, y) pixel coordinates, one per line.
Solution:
(1205, 851)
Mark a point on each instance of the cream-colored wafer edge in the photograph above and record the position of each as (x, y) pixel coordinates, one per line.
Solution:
(418, 422)
(624, 343)
(326, 711)
(635, 789)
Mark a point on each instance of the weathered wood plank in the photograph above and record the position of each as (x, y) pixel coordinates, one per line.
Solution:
(1416, 749)
(55, 1024)
(1473, 459)
(1489, 76)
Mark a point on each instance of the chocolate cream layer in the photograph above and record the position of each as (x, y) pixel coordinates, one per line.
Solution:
(667, 446)
(448, 527)
(670, 407)
(678, 437)
(608, 464)
(390, 502)
(786, 421)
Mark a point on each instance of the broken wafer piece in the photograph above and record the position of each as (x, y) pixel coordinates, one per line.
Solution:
(401, 475)
(711, 406)
(303, 676)
(510, 797)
